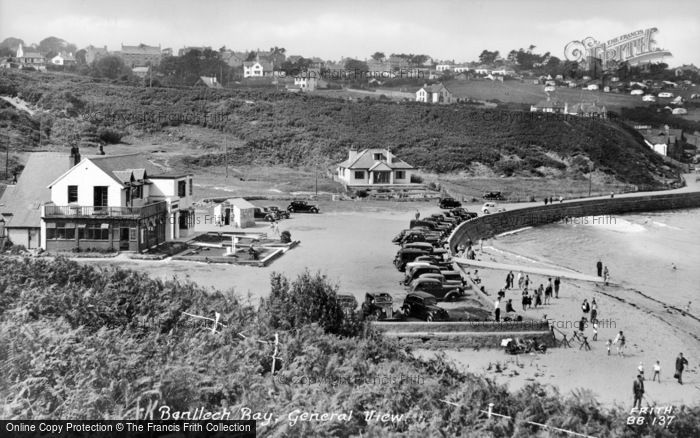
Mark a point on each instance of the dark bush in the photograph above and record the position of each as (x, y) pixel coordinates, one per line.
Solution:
(110, 136)
(286, 236)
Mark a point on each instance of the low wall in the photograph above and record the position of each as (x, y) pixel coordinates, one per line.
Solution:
(487, 226)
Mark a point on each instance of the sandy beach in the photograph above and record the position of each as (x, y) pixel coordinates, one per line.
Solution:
(653, 332)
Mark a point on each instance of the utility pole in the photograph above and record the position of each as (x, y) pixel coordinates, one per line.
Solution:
(226, 151)
(590, 175)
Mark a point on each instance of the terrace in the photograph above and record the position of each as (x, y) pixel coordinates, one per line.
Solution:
(73, 211)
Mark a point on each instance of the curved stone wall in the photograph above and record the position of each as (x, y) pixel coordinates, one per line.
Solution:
(487, 226)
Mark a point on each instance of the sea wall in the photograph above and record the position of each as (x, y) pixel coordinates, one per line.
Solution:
(487, 226)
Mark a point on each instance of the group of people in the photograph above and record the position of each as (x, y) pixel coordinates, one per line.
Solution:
(638, 385)
(551, 200)
(541, 295)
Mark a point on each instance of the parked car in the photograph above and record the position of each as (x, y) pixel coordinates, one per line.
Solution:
(649, 98)
(417, 271)
(449, 203)
(264, 214)
(406, 255)
(281, 214)
(378, 305)
(665, 94)
(434, 287)
(494, 196)
(302, 207)
(424, 306)
(491, 207)
(464, 213)
(348, 303)
(636, 92)
(410, 236)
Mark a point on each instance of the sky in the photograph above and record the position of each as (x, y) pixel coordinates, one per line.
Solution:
(330, 29)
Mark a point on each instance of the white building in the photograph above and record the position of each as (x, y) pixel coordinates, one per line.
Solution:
(443, 67)
(257, 69)
(436, 93)
(374, 167)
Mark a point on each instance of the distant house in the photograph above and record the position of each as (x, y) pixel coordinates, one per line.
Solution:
(93, 53)
(141, 72)
(549, 106)
(460, 68)
(120, 202)
(503, 71)
(436, 93)
(374, 167)
(64, 59)
(185, 50)
(234, 59)
(308, 80)
(482, 70)
(141, 55)
(257, 69)
(209, 82)
(30, 59)
(665, 140)
(443, 67)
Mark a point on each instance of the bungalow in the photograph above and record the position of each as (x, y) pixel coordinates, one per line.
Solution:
(257, 69)
(460, 68)
(482, 70)
(436, 93)
(549, 106)
(664, 141)
(119, 202)
(374, 167)
(587, 109)
(30, 59)
(64, 59)
(308, 79)
(503, 71)
(443, 67)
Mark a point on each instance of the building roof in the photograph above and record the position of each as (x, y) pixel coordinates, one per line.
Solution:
(549, 104)
(266, 65)
(24, 200)
(365, 160)
(240, 203)
(586, 108)
(210, 82)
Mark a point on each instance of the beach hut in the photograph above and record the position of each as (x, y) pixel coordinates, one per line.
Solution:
(235, 211)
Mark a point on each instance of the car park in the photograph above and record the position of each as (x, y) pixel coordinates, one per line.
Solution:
(424, 306)
(491, 207)
(449, 203)
(494, 196)
(464, 213)
(378, 305)
(302, 207)
(417, 271)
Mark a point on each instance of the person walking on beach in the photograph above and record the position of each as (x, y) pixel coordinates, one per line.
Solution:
(527, 281)
(681, 362)
(521, 280)
(620, 342)
(585, 307)
(609, 345)
(525, 300)
(548, 292)
(606, 275)
(497, 309)
(557, 282)
(594, 310)
(582, 326)
(657, 371)
(638, 389)
(595, 329)
(417, 214)
(538, 296)
(599, 267)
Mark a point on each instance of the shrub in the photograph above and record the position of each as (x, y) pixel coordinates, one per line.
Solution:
(110, 136)
(362, 193)
(417, 179)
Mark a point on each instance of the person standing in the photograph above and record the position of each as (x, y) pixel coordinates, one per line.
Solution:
(640, 369)
(551, 200)
(525, 300)
(527, 281)
(417, 214)
(548, 292)
(638, 389)
(511, 278)
(657, 371)
(521, 280)
(497, 309)
(606, 275)
(557, 282)
(585, 307)
(599, 267)
(582, 326)
(681, 362)
(608, 344)
(594, 310)
(546, 200)
(620, 342)
(595, 329)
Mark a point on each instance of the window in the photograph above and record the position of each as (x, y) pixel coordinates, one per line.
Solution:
(132, 234)
(181, 189)
(72, 194)
(99, 196)
(379, 157)
(191, 187)
(359, 174)
(400, 174)
(94, 232)
(138, 192)
(60, 231)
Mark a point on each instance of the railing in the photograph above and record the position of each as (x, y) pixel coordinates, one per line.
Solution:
(90, 211)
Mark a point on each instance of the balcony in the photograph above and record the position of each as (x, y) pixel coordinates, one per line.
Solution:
(75, 211)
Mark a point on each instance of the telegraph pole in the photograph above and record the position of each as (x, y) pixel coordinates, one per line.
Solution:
(590, 175)
(226, 150)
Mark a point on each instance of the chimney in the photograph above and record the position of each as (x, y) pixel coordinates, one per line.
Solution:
(74, 156)
(352, 154)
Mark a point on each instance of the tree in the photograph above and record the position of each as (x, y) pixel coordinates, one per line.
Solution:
(251, 56)
(56, 45)
(488, 57)
(379, 56)
(512, 57)
(355, 65)
(110, 67)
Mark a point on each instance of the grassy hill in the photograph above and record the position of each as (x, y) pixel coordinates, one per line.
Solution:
(87, 343)
(269, 127)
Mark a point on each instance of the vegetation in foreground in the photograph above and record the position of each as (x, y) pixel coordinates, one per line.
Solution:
(273, 128)
(79, 342)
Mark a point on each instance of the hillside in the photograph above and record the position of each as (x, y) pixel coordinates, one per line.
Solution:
(104, 340)
(269, 127)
